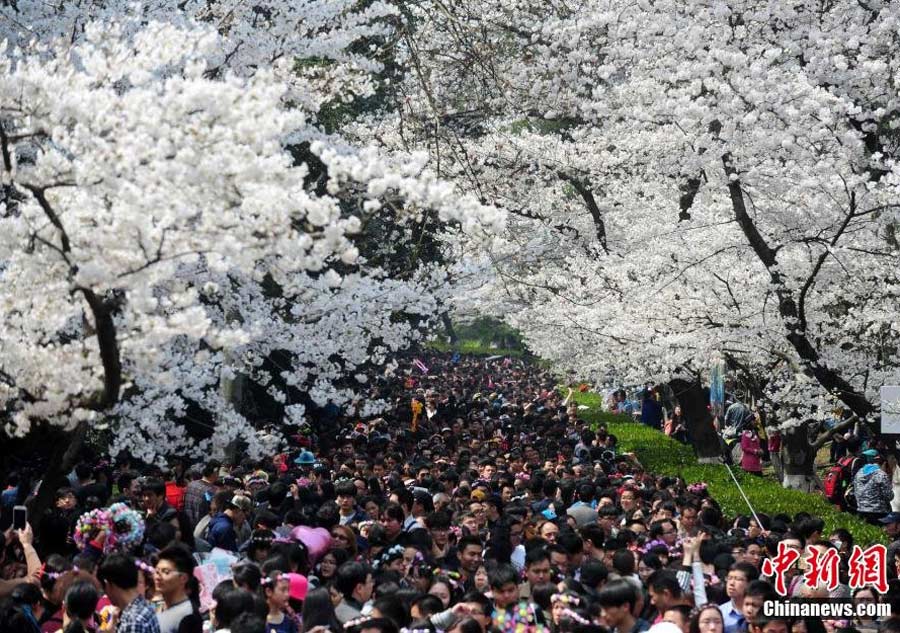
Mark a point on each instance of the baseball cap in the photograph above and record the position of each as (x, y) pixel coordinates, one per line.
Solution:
(892, 517)
(241, 503)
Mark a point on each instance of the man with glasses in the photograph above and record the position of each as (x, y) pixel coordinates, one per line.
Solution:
(171, 576)
(476, 508)
(664, 530)
(740, 575)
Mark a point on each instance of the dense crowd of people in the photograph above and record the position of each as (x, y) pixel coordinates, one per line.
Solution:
(479, 501)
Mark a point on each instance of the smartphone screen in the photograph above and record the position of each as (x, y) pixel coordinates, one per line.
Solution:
(20, 517)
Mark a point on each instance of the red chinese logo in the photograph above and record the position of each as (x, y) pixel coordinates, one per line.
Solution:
(823, 568)
(778, 566)
(868, 567)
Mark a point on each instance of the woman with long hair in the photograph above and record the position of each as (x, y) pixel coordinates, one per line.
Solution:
(327, 567)
(80, 604)
(318, 611)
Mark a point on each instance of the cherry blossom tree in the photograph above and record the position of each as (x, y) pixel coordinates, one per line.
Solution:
(684, 183)
(158, 235)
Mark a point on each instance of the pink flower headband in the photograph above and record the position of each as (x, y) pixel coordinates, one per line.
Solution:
(568, 613)
(53, 575)
(145, 567)
(266, 581)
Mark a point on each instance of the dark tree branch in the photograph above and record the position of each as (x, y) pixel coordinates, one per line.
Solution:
(4, 148)
(39, 194)
(826, 435)
(587, 195)
(833, 382)
(531, 215)
(691, 187)
(807, 286)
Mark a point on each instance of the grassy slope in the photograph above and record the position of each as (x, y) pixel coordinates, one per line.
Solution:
(664, 456)
(472, 347)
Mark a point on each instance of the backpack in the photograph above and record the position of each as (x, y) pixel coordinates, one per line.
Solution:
(838, 482)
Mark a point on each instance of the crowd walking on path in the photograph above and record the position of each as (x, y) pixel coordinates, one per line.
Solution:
(478, 501)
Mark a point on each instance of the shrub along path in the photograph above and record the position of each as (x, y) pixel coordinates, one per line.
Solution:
(662, 455)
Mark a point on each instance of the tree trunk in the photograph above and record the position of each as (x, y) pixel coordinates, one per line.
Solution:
(693, 399)
(61, 464)
(448, 326)
(799, 459)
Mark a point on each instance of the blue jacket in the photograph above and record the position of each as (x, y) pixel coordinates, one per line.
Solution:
(221, 533)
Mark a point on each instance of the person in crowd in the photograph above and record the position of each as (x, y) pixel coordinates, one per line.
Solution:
(707, 620)
(751, 450)
(80, 605)
(199, 492)
(740, 575)
(354, 583)
(873, 488)
(618, 602)
(223, 528)
(277, 588)
(651, 409)
(174, 580)
(118, 574)
(158, 510)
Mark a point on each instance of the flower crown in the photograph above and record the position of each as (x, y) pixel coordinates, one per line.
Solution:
(565, 598)
(393, 553)
(271, 580)
(568, 613)
(144, 567)
(262, 539)
(521, 620)
(655, 543)
(53, 575)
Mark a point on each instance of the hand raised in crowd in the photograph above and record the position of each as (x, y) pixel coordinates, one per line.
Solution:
(26, 535)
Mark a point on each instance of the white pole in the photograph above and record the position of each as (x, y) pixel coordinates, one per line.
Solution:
(741, 490)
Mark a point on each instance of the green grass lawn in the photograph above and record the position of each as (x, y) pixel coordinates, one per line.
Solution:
(478, 348)
(663, 456)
